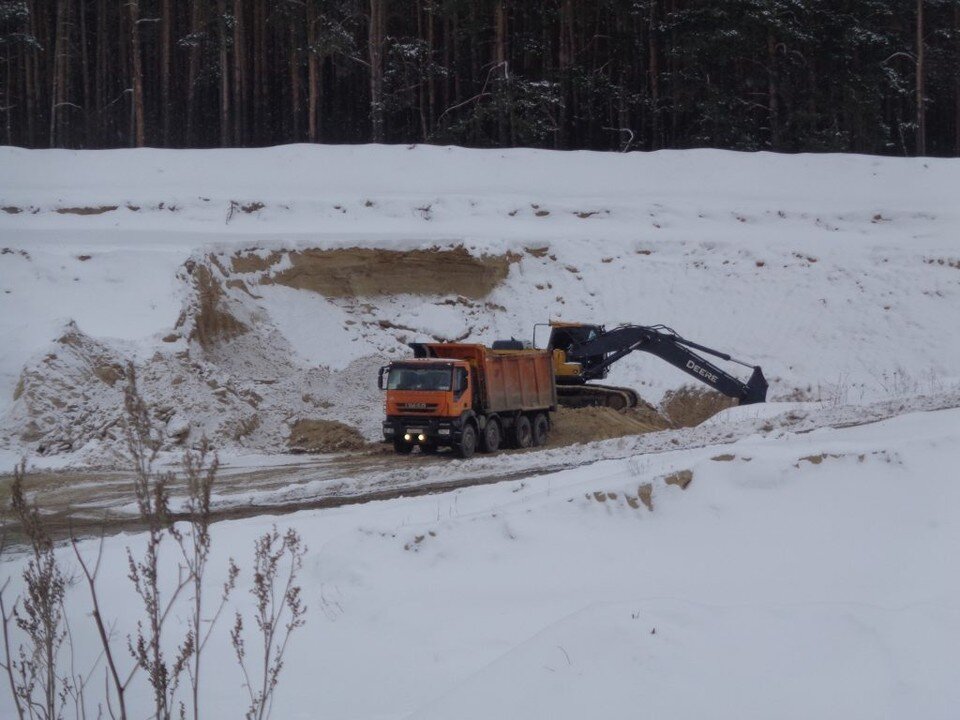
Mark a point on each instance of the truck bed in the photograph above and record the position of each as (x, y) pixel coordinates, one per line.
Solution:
(509, 380)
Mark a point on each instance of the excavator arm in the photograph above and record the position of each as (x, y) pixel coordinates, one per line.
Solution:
(603, 350)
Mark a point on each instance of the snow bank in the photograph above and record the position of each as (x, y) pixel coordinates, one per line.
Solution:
(802, 575)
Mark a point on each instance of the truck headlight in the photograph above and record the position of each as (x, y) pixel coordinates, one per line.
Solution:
(443, 431)
(421, 437)
(407, 437)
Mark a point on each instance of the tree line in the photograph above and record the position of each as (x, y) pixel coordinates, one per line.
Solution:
(873, 76)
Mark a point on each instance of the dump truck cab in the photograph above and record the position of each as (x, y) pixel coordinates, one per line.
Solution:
(426, 402)
(467, 397)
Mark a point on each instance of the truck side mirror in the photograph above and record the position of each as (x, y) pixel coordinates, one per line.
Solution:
(380, 377)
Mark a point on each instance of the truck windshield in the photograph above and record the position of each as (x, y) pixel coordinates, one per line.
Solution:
(402, 378)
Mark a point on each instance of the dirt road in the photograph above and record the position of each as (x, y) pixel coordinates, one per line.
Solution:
(88, 502)
(85, 501)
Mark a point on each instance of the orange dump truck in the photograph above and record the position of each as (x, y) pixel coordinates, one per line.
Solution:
(468, 397)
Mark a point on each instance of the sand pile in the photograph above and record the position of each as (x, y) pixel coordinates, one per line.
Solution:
(324, 436)
(212, 320)
(579, 425)
(224, 373)
(69, 395)
(690, 406)
(686, 407)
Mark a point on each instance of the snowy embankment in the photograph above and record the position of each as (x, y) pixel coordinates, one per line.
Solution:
(807, 574)
(254, 288)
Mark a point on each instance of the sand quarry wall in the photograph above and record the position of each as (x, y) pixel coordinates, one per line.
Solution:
(360, 272)
(225, 371)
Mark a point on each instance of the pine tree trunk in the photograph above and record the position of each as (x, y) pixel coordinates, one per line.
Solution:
(239, 76)
(670, 42)
(312, 73)
(224, 75)
(476, 82)
(85, 77)
(64, 66)
(192, 72)
(431, 82)
(375, 53)
(139, 129)
(455, 41)
(501, 70)
(57, 80)
(654, 80)
(956, 85)
(595, 120)
(565, 60)
(101, 72)
(773, 104)
(294, 68)
(124, 98)
(30, 73)
(921, 105)
(259, 71)
(421, 84)
(165, 22)
(7, 101)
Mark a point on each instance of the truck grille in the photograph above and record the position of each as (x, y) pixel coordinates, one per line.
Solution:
(417, 407)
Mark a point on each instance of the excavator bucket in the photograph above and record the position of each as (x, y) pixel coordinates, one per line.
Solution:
(756, 388)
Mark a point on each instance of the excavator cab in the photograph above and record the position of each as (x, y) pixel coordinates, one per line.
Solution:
(564, 336)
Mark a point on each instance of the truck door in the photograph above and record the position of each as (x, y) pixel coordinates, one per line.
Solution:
(462, 392)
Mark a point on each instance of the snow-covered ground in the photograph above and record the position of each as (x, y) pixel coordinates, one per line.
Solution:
(808, 574)
(840, 275)
(805, 571)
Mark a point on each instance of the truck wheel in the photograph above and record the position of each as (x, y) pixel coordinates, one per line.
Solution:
(468, 442)
(402, 446)
(541, 428)
(522, 432)
(491, 437)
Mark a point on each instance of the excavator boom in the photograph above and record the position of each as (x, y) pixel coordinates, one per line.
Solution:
(603, 348)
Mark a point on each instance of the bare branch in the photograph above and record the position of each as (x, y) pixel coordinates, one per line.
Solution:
(114, 675)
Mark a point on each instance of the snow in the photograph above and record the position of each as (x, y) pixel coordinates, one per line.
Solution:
(308, 323)
(835, 273)
(807, 570)
(773, 586)
(676, 659)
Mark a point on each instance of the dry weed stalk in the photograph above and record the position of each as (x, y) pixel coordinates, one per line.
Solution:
(153, 503)
(201, 475)
(5, 618)
(39, 692)
(112, 678)
(280, 610)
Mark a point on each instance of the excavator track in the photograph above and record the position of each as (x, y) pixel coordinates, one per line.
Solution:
(578, 396)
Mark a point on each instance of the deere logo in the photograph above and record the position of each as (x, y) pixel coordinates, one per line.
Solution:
(702, 372)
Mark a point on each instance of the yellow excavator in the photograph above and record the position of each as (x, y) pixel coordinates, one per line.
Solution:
(583, 353)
